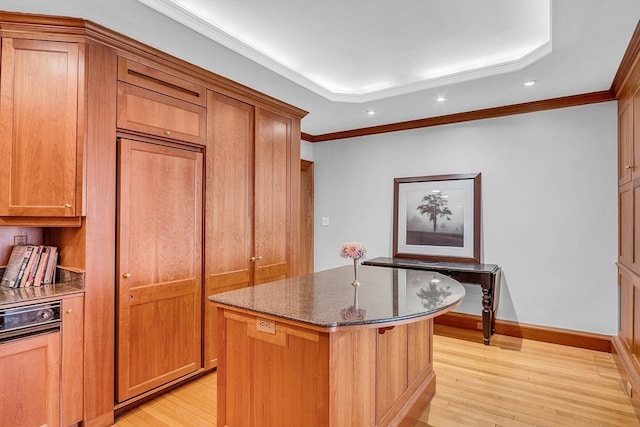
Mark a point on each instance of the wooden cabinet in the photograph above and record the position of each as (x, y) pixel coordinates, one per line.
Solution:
(159, 266)
(625, 142)
(30, 372)
(626, 344)
(68, 89)
(273, 171)
(42, 375)
(404, 355)
(302, 375)
(248, 211)
(228, 206)
(156, 103)
(71, 369)
(41, 128)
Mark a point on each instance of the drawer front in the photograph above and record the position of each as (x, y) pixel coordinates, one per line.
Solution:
(148, 112)
(170, 84)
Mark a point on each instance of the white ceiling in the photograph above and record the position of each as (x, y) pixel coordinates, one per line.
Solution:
(339, 50)
(363, 50)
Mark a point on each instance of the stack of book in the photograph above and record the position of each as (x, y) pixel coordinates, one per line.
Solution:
(30, 265)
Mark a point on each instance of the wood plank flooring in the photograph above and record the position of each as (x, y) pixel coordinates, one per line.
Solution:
(513, 382)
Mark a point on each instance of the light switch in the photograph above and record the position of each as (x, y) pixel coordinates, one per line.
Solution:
(324, 221)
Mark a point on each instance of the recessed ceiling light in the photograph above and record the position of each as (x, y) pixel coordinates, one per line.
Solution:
(371, 112)
(529, 83)
(441, 98)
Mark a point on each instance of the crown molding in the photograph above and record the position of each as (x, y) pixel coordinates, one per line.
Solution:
(507, 110)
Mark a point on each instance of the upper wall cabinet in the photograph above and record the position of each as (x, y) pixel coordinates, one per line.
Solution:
(629, 138)
(41, 128)
(154, 102)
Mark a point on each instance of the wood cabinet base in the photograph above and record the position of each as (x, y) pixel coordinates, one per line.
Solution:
(274, 372)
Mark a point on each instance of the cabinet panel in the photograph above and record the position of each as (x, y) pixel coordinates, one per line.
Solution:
(159, 266)
(71, 386)
(627, 302)
(292, 391)
(635, 342)
(633, 166)
(160, 81)
(229, 194)
(41, 128)
(34, 399)
(148, 112)
(419, 351)
(391, 370)
(625, 212)
(625, 142)
(229, 190)
(272, 214)
(636, 229)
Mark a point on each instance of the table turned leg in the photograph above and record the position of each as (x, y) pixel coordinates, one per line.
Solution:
(487, 315)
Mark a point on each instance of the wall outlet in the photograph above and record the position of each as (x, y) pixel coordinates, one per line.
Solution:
(20, 240)
(479, 325)
(264, 325)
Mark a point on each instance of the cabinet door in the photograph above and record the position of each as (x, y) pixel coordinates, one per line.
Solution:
(625, 219)
(152, 113)
(272, 213)
(625, 142)
(71, 387)
(633, 165)
(33, 399)
(41, 115)
(391, 368)
(159, 266)
(228, 219)
(626, 296)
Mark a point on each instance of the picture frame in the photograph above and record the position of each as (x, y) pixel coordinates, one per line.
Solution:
(437, 218)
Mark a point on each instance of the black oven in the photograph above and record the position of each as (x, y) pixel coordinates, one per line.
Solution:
(23, 321)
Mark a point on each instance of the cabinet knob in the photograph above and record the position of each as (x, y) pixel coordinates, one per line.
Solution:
(166, 132)
(255, 258)
(628, 167)
(126, 275)
(67, 205)
(69, 310)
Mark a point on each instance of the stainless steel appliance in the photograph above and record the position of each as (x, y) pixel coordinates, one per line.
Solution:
(23, 321)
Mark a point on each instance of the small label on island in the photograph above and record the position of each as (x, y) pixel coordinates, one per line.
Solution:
(264, 325)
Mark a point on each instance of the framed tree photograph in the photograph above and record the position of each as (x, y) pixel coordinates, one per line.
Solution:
(437, 218)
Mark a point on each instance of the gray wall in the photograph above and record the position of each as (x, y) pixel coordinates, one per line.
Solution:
(549, 205)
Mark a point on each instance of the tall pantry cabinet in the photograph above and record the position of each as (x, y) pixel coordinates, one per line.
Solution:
(159, 265)
(626, 345)
(252, 173)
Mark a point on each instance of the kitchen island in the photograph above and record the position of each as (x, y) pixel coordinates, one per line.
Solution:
(296, 352)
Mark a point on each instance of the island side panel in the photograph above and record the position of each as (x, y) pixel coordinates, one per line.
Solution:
(271, 379)
(353, 377)
(392, 380)
(296, 375)
(405, 378)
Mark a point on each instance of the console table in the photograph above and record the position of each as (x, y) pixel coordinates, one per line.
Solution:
(485, 275)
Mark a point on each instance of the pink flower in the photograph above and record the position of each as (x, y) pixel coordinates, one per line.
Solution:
(353, 250)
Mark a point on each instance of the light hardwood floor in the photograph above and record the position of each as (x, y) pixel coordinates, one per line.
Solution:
(512, 382)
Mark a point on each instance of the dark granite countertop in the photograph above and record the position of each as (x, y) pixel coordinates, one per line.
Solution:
(67, 282)
(326, 298)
